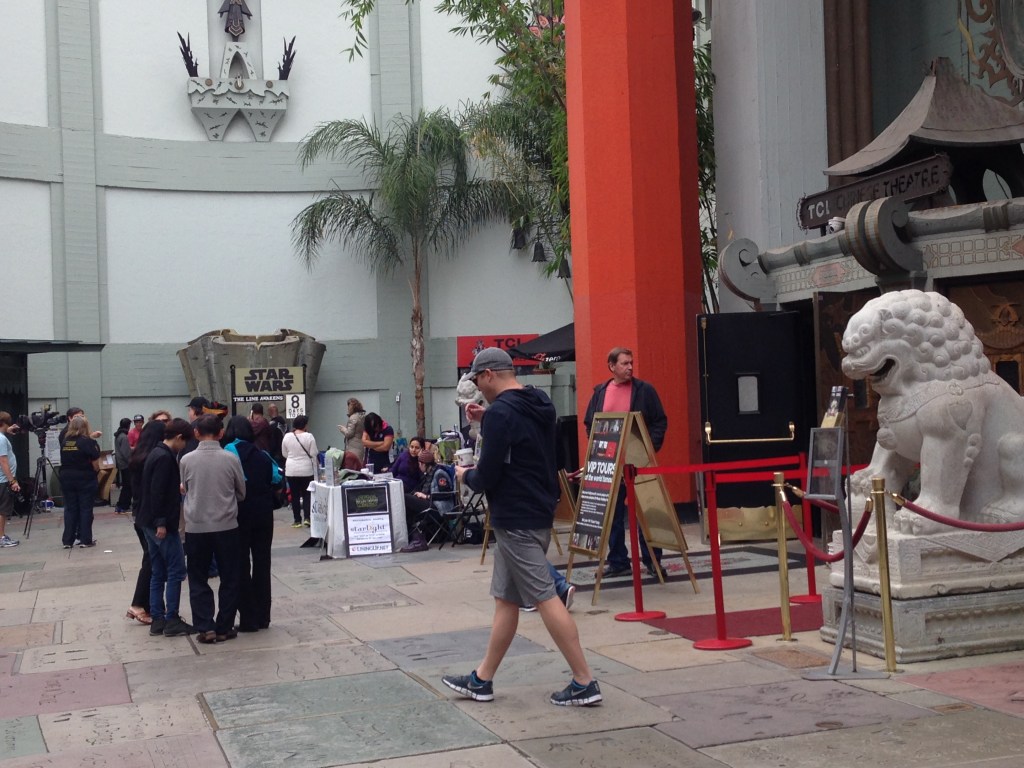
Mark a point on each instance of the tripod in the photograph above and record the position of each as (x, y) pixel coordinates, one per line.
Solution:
(40, 495)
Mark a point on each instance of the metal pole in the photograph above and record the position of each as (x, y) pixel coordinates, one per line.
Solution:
(780, 527)
(888, 636)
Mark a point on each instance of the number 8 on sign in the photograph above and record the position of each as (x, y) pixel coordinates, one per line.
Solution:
(296, 405)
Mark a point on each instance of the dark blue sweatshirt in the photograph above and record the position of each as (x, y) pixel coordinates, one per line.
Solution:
(517, 468)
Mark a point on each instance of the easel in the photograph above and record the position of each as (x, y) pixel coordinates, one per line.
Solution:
(617, 439)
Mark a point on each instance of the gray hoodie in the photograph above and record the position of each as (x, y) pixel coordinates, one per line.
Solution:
(214, 484)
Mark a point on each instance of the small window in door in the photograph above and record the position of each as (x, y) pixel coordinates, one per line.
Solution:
(749, 397)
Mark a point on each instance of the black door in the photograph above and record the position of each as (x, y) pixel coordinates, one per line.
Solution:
(756, 377)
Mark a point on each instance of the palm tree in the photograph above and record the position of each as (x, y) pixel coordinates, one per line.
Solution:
(424, 201)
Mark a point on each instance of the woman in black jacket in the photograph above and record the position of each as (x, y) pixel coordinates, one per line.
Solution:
(152, 434)
(255, 525)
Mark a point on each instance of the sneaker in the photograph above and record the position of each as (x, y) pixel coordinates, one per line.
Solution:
(305, 523)
(297, 524)
(613, 570)
(175, 627)
(69, 546)
(470, 686)
(528, 608)
(87, 544)
(576, 695)
(7, 541)
(418, 544)
(157, 627)
(568, 595)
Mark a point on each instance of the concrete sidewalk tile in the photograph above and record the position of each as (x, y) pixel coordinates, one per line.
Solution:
(293, 633)
(379, 625)
(446, 648)
(17, 601)
(323, 577)
(6, 567)
(191, 751)
(7, 660)
(23, 636)
(966, 740)
(718, 674)
(20, 736)
(149, 682)
(10, 583)
(12, 617)
(313, 698)
(458, 566)
(72, 576)
(521, 712)
(61, 691)
(531, 669)
(363, 736)
(138, 645)
(75, 729)
(75, 602)
(629, 747)
(651, 655)
(998, 687)
(777, 709)
(497, 756)
(368, 598)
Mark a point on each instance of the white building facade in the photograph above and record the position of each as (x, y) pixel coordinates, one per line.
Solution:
(123, 224)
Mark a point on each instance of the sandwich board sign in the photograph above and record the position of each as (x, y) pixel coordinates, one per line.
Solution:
(618, 439)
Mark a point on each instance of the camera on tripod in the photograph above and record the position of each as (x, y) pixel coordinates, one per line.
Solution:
(40, 421)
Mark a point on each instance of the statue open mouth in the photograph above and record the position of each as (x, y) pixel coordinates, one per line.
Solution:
(881, 373)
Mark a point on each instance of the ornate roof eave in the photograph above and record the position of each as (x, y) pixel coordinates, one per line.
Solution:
(945, 111)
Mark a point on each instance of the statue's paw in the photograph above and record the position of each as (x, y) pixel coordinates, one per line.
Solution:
(867, 548)
(998, 513)
(922, 526)
(903, 521)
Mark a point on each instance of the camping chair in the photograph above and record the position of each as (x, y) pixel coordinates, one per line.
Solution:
(445, 510)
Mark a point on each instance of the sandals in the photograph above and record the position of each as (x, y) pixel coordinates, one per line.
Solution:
(140, 615)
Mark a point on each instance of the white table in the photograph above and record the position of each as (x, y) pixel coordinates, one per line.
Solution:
(327, 516)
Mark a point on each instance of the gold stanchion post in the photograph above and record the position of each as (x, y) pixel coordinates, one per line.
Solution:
(780, 517)
(889, 637)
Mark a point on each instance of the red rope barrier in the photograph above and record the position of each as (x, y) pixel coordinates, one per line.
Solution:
(953, 522)
(816, 553)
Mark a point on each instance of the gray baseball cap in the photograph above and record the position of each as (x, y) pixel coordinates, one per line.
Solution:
(491, 359)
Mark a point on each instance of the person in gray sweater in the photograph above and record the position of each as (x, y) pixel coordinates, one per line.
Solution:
(213, 484)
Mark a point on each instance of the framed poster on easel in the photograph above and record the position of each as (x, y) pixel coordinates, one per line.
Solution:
(617, 439)
(368, 519)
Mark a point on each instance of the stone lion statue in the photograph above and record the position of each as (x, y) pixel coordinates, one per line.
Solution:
(941, 406)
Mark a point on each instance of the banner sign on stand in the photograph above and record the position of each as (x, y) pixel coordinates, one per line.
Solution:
(617, 439)
(368, 519)
(284, 386)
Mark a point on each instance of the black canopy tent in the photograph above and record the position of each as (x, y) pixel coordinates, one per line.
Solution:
(558, 346)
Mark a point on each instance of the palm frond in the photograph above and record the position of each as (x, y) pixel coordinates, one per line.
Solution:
(349, 220)
(357, 141)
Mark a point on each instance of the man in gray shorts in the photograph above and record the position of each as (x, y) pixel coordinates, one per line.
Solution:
(517, 472)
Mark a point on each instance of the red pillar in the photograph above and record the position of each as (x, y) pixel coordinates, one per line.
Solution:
(633, 187)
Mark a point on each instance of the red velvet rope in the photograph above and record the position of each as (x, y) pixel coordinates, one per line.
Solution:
(798, 492)
(966, 525)
(816, 553)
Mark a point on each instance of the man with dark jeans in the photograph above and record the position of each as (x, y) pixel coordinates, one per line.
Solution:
(159, 519)
(623, 393)
(213, 483)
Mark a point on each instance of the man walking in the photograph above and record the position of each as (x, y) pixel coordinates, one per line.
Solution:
(517, 470)
(620, 394)
(8, 480)
(213, 483)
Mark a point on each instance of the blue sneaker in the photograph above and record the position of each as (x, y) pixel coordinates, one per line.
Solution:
(576, 695)
(470, 686)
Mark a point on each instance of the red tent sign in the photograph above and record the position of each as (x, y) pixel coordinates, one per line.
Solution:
(467, 346)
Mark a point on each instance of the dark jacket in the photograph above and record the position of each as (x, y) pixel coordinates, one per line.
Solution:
(407, 469)
(517, 468)
(257, 508)
(644, 399)
(161, 498)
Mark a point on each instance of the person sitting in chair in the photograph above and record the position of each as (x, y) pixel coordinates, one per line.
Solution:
(434, 480)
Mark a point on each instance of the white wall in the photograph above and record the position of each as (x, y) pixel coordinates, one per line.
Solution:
(26, 312)
(490, 288)
(770, 136)
(162, 247)
(144, 77)
(331, 408)
(455, 69)
(142, 73)
(23, 44)
(324, 84)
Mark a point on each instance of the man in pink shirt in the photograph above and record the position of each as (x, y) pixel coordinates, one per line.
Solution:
(623, 393)
(136, 432)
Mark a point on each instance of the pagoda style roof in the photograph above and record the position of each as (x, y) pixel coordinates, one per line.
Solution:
(945, 112)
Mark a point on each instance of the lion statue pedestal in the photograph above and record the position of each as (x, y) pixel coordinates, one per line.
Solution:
(955, 592)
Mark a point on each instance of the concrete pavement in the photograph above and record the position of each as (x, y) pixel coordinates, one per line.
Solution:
(349, 674)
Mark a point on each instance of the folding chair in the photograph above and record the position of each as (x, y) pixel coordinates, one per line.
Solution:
(445, 510)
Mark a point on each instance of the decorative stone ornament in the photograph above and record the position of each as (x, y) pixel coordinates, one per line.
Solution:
(216, 101)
